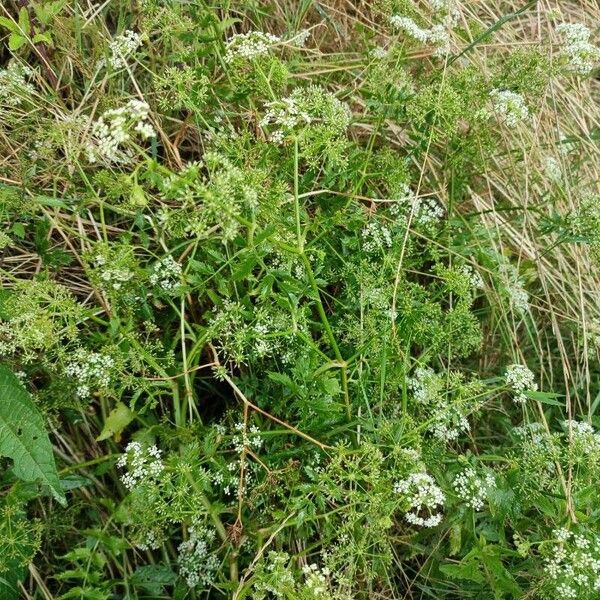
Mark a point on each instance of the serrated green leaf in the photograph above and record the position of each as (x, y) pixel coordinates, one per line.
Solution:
(42, 37)
(23, 437)
(10, 25)
(16, 40)
(153, 578)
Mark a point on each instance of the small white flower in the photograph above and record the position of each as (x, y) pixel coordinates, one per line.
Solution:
(166, 275)
(438, 35)
(375, 237)
(472, 489)
(580, 52)
(14, 87)
(423, 210)
(121, 47)
(115, 128)
(249, 46)
(197, 563)
(422, 495)
(299, 40)
(90, 370)
(552, 169)
(521, 380)
(142, 464)
(510, 106)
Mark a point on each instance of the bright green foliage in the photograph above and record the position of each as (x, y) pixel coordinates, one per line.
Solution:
(307, 295)
(23, 436)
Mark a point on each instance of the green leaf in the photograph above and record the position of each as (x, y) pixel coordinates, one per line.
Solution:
(42, 37)
(545, 398)
(23, 437)
(18, 229)
(153, 578)
(24, 21)
(227, 23)
(15, 41)
(245, 267)
(117, 420)
(10, 25)
(284, 380)
(468, 570)
(455, 539)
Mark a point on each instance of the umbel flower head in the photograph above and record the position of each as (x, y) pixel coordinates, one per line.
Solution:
(423, 497)
(142, 464)
(579, 51)
(115, 129)
(509, 106)
(521, 380)
(472, 488)
(249, 46)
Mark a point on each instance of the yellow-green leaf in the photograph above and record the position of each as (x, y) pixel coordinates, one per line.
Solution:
(117, 420)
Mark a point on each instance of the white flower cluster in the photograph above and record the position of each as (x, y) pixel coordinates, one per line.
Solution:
(584, 441)
(448, 10)
(449, 424)
(566, 146)
(375, 237)
(166, 274)
(510, 106)
(425, 385)
(316, 581)
(438, 35)
(552, 169)
(300, 39)
(14, 87)
(116, 277)
(447, 421)
(286, 114)
(422, 495)
(254, 440)
(533, 432)
(472, 488)
(230, 482)
(91, 370)
(197, 565)
(579, 429)
(573, 565)
(142, 464)
(150, 540)
(513, 285)
(425, 210)
(305, 106)
(117, 127)
(249, 46)
(121, 47)
(521, 380)
(379, 52)
(474, 277)
(581, 53)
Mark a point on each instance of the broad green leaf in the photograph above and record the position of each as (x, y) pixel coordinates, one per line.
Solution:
(153, 578)
(117, 420)
(23, 437)
(15, 41)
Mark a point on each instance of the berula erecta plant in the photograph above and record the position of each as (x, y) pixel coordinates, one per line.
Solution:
(299, 300)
